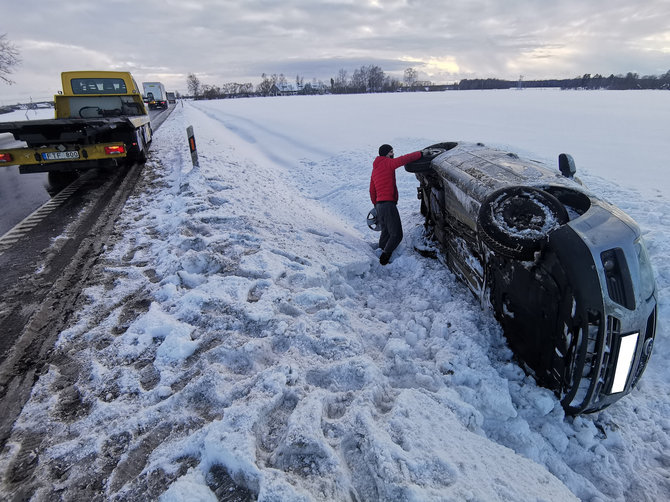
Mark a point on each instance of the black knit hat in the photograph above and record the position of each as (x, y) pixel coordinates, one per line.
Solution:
(384, 150)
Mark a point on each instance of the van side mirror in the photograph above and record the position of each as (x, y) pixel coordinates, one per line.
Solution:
(566, 164)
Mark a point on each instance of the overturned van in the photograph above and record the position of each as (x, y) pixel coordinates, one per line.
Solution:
(566, 273)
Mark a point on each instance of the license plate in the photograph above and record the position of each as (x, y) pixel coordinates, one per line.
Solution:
(71, 154)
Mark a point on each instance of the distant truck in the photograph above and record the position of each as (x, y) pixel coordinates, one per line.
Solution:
(155, 95)
(100, 121)
(171, 97)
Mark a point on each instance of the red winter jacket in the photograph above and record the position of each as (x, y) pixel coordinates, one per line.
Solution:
(382, 181)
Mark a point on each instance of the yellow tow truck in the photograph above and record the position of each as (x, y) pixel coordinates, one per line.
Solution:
(100, 121)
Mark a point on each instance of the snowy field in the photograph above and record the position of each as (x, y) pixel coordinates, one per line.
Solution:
(239, 338)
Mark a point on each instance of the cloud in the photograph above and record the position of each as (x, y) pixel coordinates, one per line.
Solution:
(226, 40)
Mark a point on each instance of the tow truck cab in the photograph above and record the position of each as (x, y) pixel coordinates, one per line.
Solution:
(92, 94)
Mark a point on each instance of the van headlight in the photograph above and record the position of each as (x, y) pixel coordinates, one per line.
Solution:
(647, 282)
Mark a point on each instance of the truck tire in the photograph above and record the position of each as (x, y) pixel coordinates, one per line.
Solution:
(516, 221)
(138, 153)
(142, 158)
(58, 180)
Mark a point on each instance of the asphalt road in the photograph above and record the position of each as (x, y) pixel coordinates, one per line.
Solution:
(43, 277)
(45, 260)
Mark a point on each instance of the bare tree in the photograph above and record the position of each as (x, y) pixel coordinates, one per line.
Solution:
(231, 89)
(341, 81)
(9, 57)
(375, 78)
(280, 80)
(411, 76)
(211, 92)
(391, 84)
(359, 80)
(368, 79)
(246, 88)
(193, 84)
(266, 85)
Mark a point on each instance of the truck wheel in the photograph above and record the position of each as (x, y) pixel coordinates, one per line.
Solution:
(57, 180)
(138, 153)
(516, 221)
(142, 157)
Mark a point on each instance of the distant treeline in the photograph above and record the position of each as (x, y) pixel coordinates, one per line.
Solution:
(372, 79)
(587, 81)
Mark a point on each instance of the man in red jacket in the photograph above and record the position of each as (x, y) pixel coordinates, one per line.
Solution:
(384, 196)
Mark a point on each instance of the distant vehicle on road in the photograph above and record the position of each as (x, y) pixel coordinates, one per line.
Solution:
(155, 95)
(171, 97)
(566, 274)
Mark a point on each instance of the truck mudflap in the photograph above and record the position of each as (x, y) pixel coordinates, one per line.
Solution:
(50, 155)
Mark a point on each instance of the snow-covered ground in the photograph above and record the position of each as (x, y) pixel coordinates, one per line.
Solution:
(240, 339)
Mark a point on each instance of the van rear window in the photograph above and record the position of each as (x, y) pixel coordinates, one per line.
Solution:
(98, 86)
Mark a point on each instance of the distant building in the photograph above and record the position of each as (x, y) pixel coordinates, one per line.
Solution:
(283, 89)
(293, 89)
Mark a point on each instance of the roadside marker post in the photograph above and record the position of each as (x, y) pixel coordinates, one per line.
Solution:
(191, 146)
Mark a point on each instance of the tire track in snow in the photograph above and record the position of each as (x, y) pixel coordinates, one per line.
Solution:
(248, 130)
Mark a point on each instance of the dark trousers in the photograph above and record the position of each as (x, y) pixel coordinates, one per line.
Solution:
(389, 221)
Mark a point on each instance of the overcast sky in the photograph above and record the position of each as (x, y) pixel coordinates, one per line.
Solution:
(236, 41)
